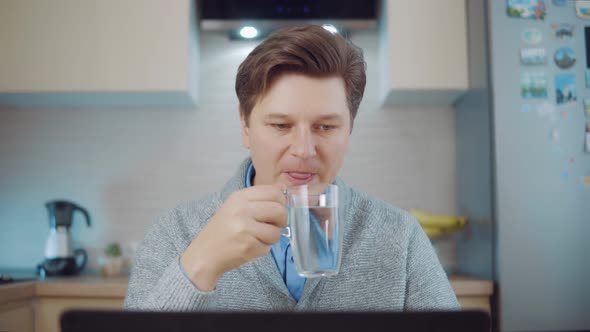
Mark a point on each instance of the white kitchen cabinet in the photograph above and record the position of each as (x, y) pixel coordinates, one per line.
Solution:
(423, 51)
(95, 53)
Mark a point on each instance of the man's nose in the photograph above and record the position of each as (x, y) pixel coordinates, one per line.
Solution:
(303, 145)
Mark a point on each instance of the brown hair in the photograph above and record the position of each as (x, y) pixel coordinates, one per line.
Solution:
(309, 50)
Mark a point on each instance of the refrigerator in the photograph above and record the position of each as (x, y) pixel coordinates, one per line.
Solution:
(523, 162)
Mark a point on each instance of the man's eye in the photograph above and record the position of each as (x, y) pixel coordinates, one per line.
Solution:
(280, 126)
(326, 127)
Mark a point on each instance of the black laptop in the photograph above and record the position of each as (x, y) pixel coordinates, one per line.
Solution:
(126, 321)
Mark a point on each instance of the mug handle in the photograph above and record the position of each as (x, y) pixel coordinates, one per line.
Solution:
(286, 232)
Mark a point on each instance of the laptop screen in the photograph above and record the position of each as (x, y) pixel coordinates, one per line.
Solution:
(126, 321)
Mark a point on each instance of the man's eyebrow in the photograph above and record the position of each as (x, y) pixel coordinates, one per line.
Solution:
(324, 117)
(277, 116)
(331, 116)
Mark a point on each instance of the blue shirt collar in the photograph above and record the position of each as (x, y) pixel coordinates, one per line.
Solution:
(250, 173)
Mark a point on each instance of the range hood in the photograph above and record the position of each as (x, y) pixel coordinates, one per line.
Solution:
(225, 15)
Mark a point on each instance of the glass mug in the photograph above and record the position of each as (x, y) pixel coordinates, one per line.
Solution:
(314, 229)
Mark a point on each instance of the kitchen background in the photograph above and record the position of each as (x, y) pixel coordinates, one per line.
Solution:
(443, 127)
(126, 166)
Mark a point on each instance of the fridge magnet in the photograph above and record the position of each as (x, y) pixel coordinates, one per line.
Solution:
(531, 36)
(554, 135)
(565, 89)
(564, 115)
(525, 108)
(529, 9)
(563, 32)
(588, 137)
(546, 109)
(564, 175)
(533, 85)
(586, 181)
(583, 9)
(533, 56)
(559, 3)
(564, 57)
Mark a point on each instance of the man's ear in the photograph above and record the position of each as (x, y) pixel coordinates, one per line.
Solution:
(245, 130)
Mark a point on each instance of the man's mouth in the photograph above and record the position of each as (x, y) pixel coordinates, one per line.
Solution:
(299, 178)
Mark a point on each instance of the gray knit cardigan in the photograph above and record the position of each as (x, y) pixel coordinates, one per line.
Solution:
(388, 263)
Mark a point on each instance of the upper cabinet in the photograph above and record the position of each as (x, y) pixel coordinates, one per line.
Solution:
(98, 53)
(424, 51)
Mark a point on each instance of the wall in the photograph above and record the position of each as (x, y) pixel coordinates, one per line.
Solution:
(127, 166)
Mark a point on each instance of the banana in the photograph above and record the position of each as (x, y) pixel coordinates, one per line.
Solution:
(438, 221)
(433, 232)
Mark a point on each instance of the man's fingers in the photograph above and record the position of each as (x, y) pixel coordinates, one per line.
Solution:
(265, 193)
(269, 212)
(268, 234)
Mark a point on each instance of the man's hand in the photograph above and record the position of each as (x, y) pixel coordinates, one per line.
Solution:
(244, 227)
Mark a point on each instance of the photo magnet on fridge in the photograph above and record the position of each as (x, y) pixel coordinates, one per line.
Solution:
(564, 58)
(529, 9)
(583, 9)
(533, 56)
(587, 107)
(563, 32)
(533, 85)
(531, 36)
(565, 89)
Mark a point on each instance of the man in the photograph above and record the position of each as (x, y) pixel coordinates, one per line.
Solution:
(299, 92)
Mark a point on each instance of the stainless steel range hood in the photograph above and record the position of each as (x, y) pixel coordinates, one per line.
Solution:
(227, 15)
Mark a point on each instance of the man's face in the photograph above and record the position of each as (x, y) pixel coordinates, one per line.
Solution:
(298, 131)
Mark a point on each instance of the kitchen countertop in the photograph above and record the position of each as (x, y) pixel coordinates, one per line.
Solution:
(90, 286)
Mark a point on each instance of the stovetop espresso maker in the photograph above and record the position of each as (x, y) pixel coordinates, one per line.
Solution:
(60, 257)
